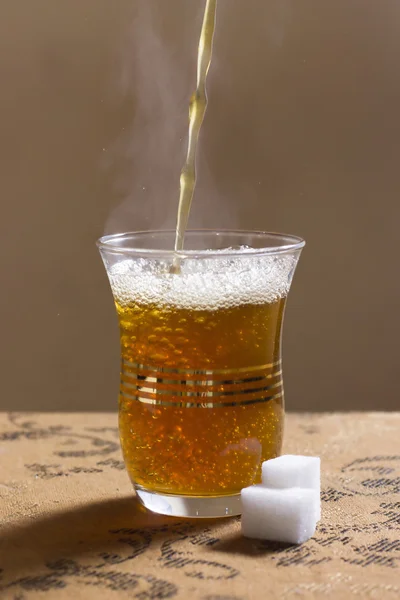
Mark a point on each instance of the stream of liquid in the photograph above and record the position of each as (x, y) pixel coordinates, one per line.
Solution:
(197, 110)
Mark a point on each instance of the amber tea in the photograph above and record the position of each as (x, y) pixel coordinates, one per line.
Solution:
(201, 394)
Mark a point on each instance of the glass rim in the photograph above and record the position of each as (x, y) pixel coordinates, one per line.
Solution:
(108, 243)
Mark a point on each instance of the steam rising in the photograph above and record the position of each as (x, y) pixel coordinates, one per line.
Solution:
(157, 77)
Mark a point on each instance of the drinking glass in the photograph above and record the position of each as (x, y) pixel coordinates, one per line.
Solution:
(201, 401)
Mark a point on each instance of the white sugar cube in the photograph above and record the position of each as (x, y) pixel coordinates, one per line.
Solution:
(288, 515)
(292, 471)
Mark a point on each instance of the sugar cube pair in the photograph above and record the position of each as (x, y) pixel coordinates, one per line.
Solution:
(286, 506)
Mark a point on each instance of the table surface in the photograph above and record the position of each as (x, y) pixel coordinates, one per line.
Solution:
(72, 528)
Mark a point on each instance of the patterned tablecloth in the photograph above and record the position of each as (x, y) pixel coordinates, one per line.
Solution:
(71, 527)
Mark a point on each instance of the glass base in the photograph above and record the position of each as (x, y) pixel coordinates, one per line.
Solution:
(191, 507)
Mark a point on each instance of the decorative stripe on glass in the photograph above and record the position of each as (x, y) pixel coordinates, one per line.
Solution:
(201, 388)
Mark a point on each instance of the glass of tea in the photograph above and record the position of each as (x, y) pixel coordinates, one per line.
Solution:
(201, 401)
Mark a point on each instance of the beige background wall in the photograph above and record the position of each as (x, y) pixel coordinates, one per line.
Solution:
(302, 135)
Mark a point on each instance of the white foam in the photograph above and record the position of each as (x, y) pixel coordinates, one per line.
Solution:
(206, 284)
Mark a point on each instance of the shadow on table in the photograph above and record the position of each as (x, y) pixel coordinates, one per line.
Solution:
(88, 541)
(101, 533)
(237, 544)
